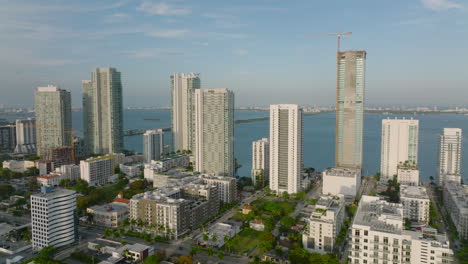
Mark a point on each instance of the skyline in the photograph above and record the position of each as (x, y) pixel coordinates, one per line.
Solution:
(57, 43)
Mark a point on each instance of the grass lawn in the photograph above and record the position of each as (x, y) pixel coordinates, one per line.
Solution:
(238, 216)
(279, 206)
(246, 240)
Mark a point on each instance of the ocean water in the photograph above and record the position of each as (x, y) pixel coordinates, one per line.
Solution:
(319, 134)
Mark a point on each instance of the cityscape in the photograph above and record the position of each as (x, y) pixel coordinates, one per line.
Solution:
(203, 177)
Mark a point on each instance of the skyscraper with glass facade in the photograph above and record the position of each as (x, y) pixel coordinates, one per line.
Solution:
(350, 108)
(103, 111)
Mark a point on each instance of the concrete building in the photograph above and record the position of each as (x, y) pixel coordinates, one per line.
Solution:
(220, 231)
(50, 180)
(108, 215)
(165, 164)
(415, 203)
(260, 161)
(178, 209)
(117, 252)
(346, 181)
(324, 224)
(103, 111)
(7, 138)
(53, 218)
(70, 171)
(53, 118)
(408, 174)
(456, 205)
(18, 165)
(153, 144)
(399, 145)
(59, 155)
(97, 171)
(183, 87)
(214, 131)
(377, 236)
(450, 151)
(132, 169)
(285, 148)
(26, 136)
(44, 166)
(227, 187)
(350, 108)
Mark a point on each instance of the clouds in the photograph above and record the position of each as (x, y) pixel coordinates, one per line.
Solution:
(169, 33)
(441, 4)
(163, 9)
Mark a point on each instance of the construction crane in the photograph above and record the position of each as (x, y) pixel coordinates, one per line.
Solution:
(332, 34)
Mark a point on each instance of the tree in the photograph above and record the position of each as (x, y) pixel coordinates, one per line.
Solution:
(209, 252)
(206, 236)
(152, 259)
(65, 182)
(107, 232)
(32, 183)
(185, 260)
(195, 250)
(214, 238)
(287, 221)
(220, 255)
(6, 190)
(285, 195)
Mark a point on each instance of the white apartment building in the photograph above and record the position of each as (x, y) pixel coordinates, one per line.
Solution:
(103, 111)
(408, 175)
(399, 144)
(377, 236)
(183, 87)
(53, 218)
(108, 215)
(260, 161)
(456, 205)
(158, 166)
(227, 187)
(97, 171)
(53, 179)
(70, 171)
(52, 107)
(450, 150)
(214, 131)
(285, 148)
(131, 170)
(324, 224)
(26, 136)
(415, 203)
(153, 144)
(346, 181)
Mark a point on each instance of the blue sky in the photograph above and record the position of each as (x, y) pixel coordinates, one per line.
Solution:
(416, 48)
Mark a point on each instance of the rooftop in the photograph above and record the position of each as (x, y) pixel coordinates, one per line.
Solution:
(109, 156)
(111, 207)
(459, 194)
(54, 192)
(342, 172)
(379, 215)
(417, 192)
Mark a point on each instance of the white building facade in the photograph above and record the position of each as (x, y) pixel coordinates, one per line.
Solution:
(153, 144)
(346, 181)
(97, 171)
(324, 224)
(450, 150)
(285, 148)
(26, 136)
(227, 187)
(53, 218)
(415, 203)
(214, 131)
(183, 87)
(399, 144)
(103, 111)
(260, 161)
(408, 175)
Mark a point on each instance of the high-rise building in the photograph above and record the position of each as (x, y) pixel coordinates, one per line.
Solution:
(183, 87)
(53, 118)
(450, 155)
(214, 131)
(7, 138)
(260, 161)
(415, 203)
(346, 181)
(103, 111)
(399, 145)
(377, 235)
(153, 144)
(285, 148)
(53, 218)
(98, 170)
(26, 136)
(350, 108)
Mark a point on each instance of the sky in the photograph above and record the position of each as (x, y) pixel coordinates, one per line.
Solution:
(416, 49)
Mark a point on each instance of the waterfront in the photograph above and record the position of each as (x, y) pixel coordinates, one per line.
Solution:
(319, 134)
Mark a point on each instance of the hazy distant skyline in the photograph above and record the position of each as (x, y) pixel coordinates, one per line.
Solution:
(256, 48)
